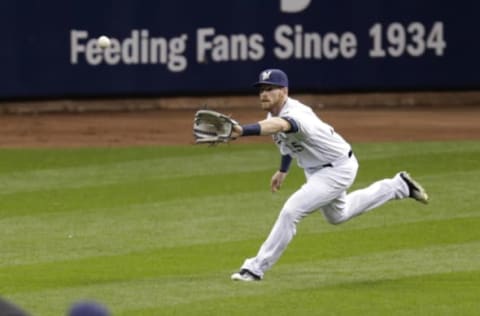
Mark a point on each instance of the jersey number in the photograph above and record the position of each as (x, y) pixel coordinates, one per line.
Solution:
(295, 147)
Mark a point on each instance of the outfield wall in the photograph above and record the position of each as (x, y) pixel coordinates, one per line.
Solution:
(366, 100)
(181, 47)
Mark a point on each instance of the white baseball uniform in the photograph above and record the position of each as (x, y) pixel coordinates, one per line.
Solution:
(330, 169)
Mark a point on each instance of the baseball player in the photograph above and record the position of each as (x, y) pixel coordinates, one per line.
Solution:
(329, 165)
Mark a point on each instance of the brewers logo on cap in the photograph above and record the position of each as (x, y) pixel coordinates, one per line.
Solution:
(274, 77)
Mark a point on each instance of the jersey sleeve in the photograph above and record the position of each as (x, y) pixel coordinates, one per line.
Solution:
(293, 124)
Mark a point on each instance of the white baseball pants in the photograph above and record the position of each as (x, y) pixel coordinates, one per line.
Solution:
(325, 190)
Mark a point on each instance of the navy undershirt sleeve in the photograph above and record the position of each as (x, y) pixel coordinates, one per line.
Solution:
(285, 163)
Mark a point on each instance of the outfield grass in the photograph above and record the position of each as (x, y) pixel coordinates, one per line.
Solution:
(158, 231)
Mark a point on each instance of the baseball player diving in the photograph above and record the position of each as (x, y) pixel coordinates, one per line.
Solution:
(329, 165)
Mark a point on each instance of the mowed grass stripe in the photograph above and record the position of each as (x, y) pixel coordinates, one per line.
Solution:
(66, 189)
(405, 296)
(81, 168)
(144, 191)
(24, 160)
(138, 169)
(124, 228)
(215, 286)
(131, 192)
(178, 261)
(195, 220)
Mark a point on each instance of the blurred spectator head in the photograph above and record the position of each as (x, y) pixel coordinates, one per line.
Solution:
(10, 309)
(88, 308)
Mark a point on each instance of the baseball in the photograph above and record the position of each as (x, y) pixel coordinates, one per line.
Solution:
(103, 41)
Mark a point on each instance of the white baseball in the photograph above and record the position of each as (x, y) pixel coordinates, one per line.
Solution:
(103, 41)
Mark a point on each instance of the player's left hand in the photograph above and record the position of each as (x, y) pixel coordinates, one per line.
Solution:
(237, 131)
(211, 127)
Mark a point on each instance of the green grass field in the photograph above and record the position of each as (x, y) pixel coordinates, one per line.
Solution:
(159, 230)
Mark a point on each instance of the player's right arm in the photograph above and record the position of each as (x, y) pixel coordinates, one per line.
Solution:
(280, 175)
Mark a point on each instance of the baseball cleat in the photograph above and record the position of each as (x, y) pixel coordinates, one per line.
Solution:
(417, 192)
(245, 275)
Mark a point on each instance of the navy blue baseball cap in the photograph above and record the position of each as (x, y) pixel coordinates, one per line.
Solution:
(274, 77)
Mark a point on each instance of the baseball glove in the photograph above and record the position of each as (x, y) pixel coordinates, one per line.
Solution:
(211, 127)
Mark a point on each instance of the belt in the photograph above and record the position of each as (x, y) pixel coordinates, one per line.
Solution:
(350, 153)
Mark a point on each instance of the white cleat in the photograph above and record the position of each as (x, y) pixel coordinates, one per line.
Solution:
(245, 275)
(417, 192)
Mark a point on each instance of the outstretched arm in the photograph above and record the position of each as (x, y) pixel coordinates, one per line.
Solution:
(266, 127)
